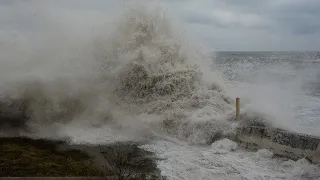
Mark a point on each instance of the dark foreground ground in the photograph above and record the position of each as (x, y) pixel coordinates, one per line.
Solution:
(24, 157)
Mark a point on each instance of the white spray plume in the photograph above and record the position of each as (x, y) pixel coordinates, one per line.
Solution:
(137, 75)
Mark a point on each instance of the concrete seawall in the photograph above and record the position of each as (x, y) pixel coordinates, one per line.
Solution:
(280, 142)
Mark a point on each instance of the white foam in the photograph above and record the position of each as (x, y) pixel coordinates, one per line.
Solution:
(264, 153)
(181, 161)
(225, 144)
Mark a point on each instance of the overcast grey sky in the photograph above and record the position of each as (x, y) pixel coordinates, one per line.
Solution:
(221, 24)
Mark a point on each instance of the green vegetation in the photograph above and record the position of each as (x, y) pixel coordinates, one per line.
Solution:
(127, 161)
(26, 157)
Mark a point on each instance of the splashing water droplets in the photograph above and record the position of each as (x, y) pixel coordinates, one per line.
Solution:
(141, 77)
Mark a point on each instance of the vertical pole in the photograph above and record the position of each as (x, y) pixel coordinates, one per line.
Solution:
(238, 108)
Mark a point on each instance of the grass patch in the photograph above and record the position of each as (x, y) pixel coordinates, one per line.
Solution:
(128, 161)
(26, 157)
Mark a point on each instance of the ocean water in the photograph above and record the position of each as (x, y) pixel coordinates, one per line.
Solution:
(286, 84)
(141, 79)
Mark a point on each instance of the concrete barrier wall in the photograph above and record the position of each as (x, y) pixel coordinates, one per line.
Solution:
(281, 142)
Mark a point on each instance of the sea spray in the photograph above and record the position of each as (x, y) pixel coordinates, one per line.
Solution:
(140, 77)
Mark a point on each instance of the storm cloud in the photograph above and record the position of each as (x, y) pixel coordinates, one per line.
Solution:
(280, 25)
(255, 24)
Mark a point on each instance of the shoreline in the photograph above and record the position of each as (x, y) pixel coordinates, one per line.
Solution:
(101, 160)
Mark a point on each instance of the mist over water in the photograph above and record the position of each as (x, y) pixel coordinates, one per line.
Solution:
(136, 78)
(282, 85)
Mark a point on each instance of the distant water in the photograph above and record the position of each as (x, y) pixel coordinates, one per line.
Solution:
(287, 84)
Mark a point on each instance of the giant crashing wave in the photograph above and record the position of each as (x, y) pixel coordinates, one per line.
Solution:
(143, 75)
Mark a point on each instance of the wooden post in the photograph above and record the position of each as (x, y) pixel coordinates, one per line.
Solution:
(238, 108)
